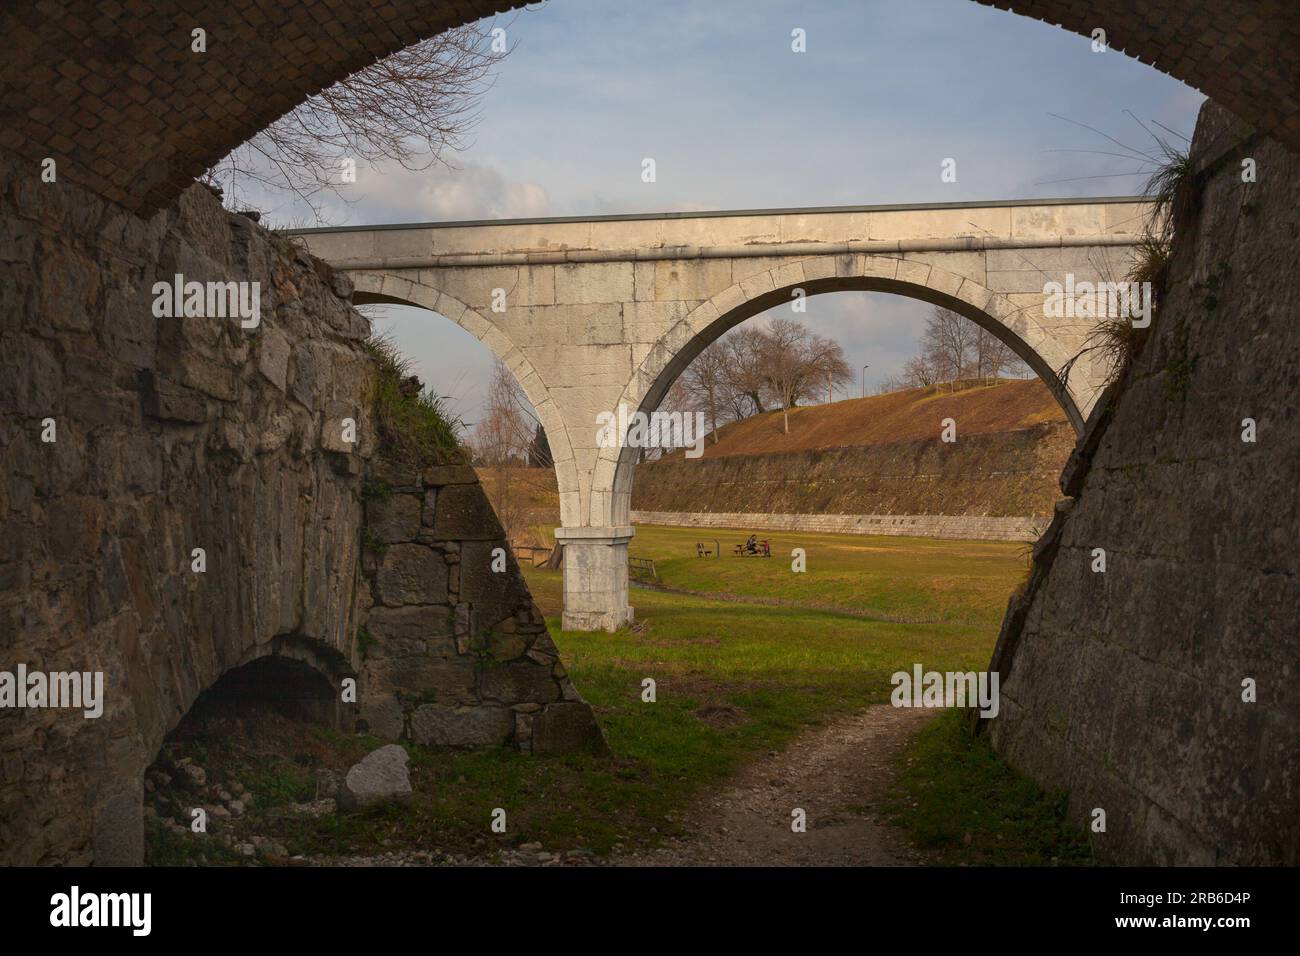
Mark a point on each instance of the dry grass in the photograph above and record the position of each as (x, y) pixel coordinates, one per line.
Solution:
(910, 415)
(414, 423)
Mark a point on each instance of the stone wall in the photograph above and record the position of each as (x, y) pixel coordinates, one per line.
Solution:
(170, 434)
(455, 651)
(921, 526)
(1126, 687)
(176, 434)
(997, 474)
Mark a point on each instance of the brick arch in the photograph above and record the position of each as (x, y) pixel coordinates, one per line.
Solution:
(710, 320)
(379, 287)
(126, 108)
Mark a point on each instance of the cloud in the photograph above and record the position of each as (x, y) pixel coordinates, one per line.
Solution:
(474, 190)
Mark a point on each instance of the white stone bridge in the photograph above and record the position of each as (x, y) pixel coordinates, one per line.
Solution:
(592, 313)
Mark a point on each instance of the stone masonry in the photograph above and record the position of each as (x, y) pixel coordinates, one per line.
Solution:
(128, 441)
(114, 92)
(1126, 687)
(455, 651)
(596, 315)
(960, 527)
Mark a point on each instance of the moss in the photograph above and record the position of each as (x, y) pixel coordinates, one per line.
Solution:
(365, 641)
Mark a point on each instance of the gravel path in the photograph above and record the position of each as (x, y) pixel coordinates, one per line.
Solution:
(835, 774)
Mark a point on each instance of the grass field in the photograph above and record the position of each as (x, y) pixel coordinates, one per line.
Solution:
(920, 580)
(734, 679)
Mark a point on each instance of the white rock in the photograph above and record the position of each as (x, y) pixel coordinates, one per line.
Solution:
(380, 776)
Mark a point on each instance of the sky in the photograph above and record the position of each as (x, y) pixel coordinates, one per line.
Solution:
(886, 90)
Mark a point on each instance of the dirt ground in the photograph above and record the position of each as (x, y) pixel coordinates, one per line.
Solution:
(836, 774)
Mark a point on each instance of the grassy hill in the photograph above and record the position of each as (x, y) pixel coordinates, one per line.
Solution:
(910, 415)
(879, 455)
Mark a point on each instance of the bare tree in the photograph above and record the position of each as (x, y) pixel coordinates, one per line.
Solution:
(948, 344)
(745, 347)
(407, 108)
(705, 386)
(504, 434)
(796, 360)
(503, 440)
(993, 356)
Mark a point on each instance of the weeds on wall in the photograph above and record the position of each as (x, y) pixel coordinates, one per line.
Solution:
(1174, 204)
(415, 424)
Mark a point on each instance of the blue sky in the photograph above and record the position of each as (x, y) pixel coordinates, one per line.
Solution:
(734, 119)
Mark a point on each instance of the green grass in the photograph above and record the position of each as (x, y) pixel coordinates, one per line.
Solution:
(894, 578)
(415, 424)
(962, 804)
(734, 680)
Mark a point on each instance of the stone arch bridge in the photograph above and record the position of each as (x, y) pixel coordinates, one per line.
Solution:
(594, 314)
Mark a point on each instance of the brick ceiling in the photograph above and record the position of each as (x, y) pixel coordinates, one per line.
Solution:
(112, 91)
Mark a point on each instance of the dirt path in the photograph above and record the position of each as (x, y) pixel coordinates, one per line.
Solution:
(836, 773)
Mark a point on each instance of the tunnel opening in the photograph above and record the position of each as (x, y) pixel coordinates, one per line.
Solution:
(268, 738)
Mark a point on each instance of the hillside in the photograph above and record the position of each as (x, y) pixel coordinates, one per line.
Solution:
(874, 456)
(911, 415)
(877, 456)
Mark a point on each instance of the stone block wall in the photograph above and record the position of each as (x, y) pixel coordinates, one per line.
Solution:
(170, 434)
(455, 652)
(1126, 687)
(176, 434)
(961, 527)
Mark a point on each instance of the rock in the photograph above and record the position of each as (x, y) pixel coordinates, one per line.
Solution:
(379, 777)
(566, 727)
(247, 849)
(160, 779)
(435, 726)
(237, 808)
(193, 775)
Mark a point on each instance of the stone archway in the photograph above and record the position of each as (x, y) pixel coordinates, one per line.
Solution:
(393, 289)
(992, 311)
(134, 78)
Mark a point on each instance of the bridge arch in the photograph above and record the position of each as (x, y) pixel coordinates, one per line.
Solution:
(373, 288)
(1016, 326)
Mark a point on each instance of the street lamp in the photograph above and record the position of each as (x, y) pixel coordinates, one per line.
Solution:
(864, 380)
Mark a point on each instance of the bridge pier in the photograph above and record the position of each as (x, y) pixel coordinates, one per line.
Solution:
(595, 578)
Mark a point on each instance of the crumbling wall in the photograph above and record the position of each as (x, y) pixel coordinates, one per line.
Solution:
(1125, 687)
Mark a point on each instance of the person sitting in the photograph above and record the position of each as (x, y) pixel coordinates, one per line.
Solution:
(751, 546)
